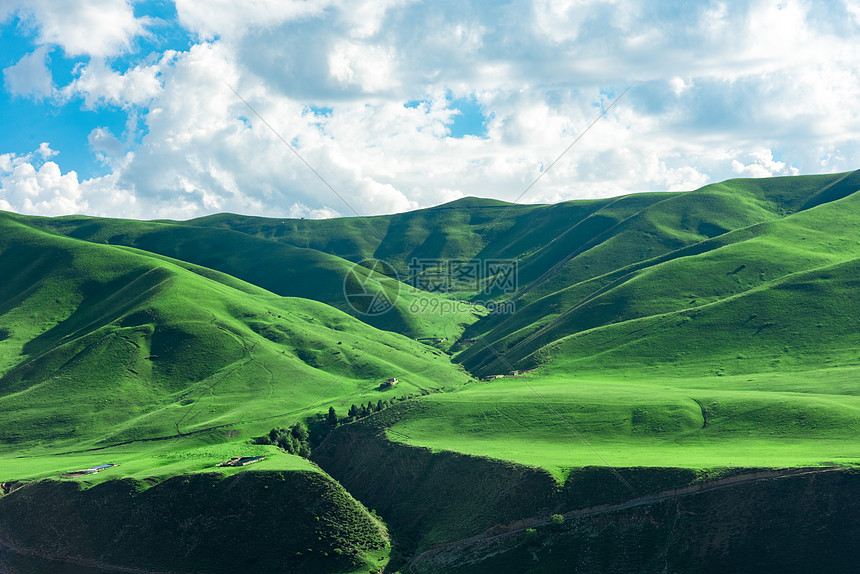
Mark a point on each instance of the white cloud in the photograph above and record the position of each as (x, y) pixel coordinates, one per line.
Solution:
(365, 18)
(98, 28)
(31, 184)
(98, 84)
(42, 191)
(31, 75)
(105, 145)
(300, 210)
(371, 68)
(762, 165)
(722, 90)
(228, 18)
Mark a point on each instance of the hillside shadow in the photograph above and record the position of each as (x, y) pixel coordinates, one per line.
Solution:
(102, 304)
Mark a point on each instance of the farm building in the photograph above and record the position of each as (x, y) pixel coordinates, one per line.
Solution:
(86, 471)
(241, 461)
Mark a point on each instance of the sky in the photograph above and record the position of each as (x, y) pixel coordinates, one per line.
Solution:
(130, 109)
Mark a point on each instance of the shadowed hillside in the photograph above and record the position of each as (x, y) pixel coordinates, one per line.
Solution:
(280, 268)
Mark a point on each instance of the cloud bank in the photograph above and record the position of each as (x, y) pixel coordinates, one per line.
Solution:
(367, 93)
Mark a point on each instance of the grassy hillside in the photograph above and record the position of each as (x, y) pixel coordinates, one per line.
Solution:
(104, 344)
(755, 291)
(277, 267)
(582, 265)
(740, 350)
(586, 265)
(547, 237)
(678, 332)
(653, 421)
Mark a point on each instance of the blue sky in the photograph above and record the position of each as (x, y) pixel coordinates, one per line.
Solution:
(119, 108)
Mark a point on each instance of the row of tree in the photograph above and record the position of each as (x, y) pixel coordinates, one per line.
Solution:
(298, 440)
(356, 412)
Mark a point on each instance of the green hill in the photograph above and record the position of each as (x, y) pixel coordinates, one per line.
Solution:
(588, 265)
(682, 332)
(756, 291)
(280, 268)
(105, 344)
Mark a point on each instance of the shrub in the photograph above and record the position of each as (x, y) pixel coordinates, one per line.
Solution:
(294, 440)
(531, 537)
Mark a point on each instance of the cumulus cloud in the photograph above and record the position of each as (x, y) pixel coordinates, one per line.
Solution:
(39, 190)
(98, 28)
(371, 68)
(366, 93)
(98, 84)
(762, 165)
(31, 75)
(227, 18)
(32, 184)
(105, 144)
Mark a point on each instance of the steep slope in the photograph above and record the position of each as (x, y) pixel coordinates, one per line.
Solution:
(773, 291)
(257, 521)
(580, 263)
(277, 267)
(547, 238)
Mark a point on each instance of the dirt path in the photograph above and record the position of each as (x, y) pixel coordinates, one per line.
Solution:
(542, 520)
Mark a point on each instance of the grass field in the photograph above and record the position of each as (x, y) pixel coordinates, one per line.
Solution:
(156, 461)
(104, 345)
(792, 419)
(277, 267)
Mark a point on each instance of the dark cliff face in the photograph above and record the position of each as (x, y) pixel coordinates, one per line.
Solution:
(458, 513)
(250, 522)
(805, 523)
(429, 497)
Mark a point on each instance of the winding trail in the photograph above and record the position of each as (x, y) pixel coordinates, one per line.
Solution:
(499, 532)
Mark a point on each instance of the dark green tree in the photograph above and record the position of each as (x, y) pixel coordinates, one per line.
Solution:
(300, 431)
(331, 418)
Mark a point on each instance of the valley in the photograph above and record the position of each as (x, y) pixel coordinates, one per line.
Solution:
(669, 341)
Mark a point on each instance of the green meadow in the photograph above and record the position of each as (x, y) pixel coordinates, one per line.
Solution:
(149, 462)
(105, 345)
(798, 419)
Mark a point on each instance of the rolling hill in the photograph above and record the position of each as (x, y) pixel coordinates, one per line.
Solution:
(666, 337)
(106, 344)
(277, 267)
